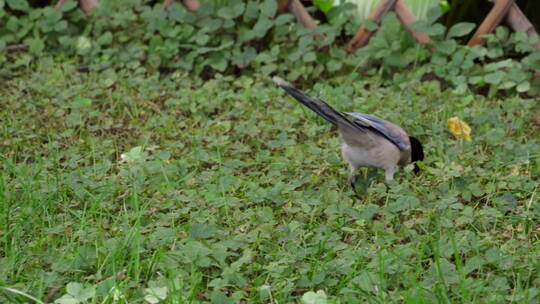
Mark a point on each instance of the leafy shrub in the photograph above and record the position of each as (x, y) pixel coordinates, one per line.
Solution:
(249, 38)
(225, 39)
(505, 63)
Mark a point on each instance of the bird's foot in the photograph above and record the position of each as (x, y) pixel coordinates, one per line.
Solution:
(352, 181)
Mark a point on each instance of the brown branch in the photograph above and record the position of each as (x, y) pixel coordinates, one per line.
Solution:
(361, 38)
(497, 13)
(15, 47)
(282, 5)
(119, 276)
(59, 4)
(191, 5)
(167, 3)
(299, 11)
(519, 23)
(53, 291)
(87, 5)
(407, 17)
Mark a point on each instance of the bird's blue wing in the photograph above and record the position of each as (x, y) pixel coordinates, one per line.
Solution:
(393, 133)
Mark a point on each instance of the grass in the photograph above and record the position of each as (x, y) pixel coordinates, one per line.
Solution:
(125, 188)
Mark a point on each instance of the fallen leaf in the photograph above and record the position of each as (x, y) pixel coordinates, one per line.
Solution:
(459, 128)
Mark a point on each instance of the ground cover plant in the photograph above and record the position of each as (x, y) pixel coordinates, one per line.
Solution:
(249, 38)
(131, 174)
(121, 187)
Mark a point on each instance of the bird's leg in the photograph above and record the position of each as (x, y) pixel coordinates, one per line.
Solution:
(389, 173)
(352, 181)
(352, 177)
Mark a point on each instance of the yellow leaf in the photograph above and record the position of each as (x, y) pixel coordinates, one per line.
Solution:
(459, 128)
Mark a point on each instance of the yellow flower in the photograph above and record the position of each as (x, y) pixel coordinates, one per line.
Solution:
(459, 128)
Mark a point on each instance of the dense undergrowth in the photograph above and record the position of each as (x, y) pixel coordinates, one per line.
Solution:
(147, 157)
(250, 38)
(226, 189)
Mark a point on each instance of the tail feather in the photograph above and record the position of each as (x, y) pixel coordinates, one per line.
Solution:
(316, 105)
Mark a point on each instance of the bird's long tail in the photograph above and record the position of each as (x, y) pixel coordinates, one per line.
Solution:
(316, 105)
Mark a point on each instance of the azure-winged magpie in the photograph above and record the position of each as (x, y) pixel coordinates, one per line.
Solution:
(368, 141)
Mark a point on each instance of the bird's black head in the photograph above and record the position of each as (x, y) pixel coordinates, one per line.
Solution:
(417, 152)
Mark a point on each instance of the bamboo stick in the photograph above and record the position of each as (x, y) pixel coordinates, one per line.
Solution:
(497, 13)
(299, 11)
(191, 5)
(282, 5)
(59, 4)
(519, 23)
(407, 17)
(361, 38)
(87, 5)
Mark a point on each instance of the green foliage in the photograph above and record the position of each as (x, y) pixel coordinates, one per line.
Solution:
(505, 65)
(239, 36)
(121, 186)
(76, 293)
(311, 297)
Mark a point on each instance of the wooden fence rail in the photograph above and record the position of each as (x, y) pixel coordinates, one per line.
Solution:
(502, 9)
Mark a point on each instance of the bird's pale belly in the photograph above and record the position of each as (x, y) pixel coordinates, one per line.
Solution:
(385, 155)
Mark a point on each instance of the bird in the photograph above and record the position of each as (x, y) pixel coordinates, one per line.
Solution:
(368, 141)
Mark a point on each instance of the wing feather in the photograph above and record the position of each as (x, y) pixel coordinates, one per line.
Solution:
(390, 131)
